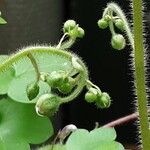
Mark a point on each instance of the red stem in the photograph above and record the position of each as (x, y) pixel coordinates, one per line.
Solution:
(122, 120)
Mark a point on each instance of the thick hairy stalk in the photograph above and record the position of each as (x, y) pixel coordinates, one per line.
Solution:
(140, 74)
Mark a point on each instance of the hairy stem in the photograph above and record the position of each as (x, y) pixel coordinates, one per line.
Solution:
(67, 44)
(33, 50)
(138, 48)
(140, 74)
(122, 120)
(28, 52)
(35, 65)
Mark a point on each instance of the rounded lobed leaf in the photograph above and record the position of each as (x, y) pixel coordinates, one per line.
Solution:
(17, 88)
(97, 139)
(49, 61)
(20, 125)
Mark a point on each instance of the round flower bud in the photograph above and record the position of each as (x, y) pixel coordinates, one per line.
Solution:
(102, 23)
(65, 88)
(92, 95)
(77, 32)
(103, 101)
(47, 105)
(69, 25)
(32, 90)
(119, 24)
(118, 42)
(81, 32)
(55, 78)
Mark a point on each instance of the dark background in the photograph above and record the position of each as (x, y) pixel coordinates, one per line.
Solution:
(40, 21)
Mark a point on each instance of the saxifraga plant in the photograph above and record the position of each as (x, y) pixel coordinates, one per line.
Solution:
(45, 77)
(40, 79)
(114, 16)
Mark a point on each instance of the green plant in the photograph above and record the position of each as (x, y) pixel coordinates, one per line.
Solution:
(42, 77)
(118, 42)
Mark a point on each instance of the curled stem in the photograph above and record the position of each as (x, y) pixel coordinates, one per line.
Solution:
(116, 9)
(138, 48)
(35, 66)
(82, 77)
(68, 44)
(61, 40)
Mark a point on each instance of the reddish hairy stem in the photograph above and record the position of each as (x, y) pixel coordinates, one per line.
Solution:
(122, 120)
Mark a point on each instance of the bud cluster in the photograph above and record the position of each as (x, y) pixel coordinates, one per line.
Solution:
(73, 29)
(101, 99)
(61, 81)
(117, 41)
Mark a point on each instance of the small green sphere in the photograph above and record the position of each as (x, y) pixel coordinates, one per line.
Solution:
(65, 88)
(90, 97)
(69, 25)
(81, 32)
(55, 79)
(77, 32)
(32, 90)
(119, 24)
(118, 42)
(102, 23)
(103, 101)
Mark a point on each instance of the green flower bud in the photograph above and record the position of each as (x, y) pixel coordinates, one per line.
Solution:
(65, 88)
(119, 24)
(81, 32)
(32, 90)
(102, 23)
(92, 95)
(118, 42)
(47, 105)
(69, 25)
(103, 101)
(55, 79)
(77, 32)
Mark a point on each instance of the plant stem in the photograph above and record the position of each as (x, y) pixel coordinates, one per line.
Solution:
(122, 120)
(35, 65)
(140, 74)
(33, 50)
(115, 8)
(67, 44)
(30, 51)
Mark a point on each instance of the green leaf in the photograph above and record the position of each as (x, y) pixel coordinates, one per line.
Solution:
(55, 147)
(2, 21)
(17, 88)
(25, 74)
(74, 141)
(5, 76)
(97, 139)
(20, 125)
(46, 63)
(109, 146)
